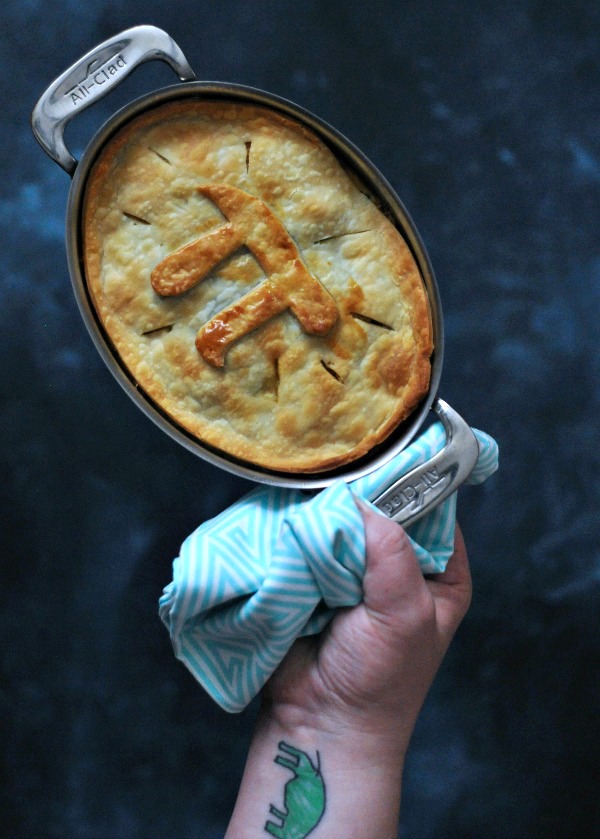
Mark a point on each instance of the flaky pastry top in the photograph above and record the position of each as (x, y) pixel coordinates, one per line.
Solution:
(251, 288)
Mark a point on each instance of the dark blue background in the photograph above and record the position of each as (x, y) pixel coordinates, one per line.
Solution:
(485, 118)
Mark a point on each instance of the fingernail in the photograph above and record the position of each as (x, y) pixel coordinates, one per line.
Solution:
(365, 505)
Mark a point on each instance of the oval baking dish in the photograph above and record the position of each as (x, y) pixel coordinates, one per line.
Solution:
(96, 74)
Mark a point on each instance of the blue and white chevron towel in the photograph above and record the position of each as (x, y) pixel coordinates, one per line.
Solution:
(276, 565)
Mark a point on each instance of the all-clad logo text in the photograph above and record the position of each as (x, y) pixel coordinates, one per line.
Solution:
(96, 75)
(413, 493)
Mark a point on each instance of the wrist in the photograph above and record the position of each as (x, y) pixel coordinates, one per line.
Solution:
(352, 779)
(351, 740)
(367, 736)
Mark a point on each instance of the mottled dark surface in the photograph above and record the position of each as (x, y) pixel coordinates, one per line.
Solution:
(485, 117)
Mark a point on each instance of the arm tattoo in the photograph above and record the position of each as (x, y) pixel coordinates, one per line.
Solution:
(304, 796)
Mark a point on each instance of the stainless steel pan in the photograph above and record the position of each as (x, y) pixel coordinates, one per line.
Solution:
(95, 75)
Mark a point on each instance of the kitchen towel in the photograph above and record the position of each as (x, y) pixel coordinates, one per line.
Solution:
(277, 564)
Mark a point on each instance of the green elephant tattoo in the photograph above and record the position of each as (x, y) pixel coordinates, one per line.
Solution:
(304, 796)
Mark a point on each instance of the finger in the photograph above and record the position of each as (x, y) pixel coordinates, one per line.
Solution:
(457, 568)
(393, 580)
(452, 589)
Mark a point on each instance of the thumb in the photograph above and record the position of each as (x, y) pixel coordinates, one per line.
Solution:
(393, 582)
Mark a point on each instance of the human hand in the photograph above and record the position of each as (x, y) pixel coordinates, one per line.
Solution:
(371, 669)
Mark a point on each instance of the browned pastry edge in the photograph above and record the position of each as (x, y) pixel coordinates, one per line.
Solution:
(303, 460)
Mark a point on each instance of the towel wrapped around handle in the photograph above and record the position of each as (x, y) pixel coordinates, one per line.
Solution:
(277, 564)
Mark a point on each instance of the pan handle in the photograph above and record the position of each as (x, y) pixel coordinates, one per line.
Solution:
(427, 485)
(92, 77)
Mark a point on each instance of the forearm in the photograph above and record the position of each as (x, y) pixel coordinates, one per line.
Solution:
(329, 783)
(328, 752)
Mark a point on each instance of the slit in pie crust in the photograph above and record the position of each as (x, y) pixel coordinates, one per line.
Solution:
(256, 294)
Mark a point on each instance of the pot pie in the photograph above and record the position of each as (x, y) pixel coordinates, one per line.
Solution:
(252, 288)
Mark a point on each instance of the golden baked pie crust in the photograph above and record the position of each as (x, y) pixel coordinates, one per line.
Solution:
(204, 215)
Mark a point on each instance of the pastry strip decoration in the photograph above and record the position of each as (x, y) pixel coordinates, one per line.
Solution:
(289, 284)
